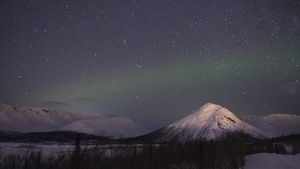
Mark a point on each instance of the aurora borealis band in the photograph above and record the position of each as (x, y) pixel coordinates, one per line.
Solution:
(154, 60)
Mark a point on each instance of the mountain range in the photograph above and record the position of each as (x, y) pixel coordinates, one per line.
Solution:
(42, 120)
(210, 122)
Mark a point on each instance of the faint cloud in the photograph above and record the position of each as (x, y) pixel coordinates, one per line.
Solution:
(55, 104)
(78, 104)
(82, 99)
(292, 89)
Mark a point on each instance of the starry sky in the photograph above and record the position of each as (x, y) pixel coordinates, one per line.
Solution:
(151, 59)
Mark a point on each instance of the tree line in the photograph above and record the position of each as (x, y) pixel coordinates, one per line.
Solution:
(194, 154)
(227, 152)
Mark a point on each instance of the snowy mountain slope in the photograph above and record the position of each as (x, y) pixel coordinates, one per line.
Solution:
(34, 119)
(276, 124)
(210, 121)
(41, 120)
(114, 126)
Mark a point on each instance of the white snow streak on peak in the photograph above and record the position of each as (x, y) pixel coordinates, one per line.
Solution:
(199, 118)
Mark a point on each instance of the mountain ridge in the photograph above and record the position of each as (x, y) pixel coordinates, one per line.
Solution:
(276, 124)
(42, 120)
(210, 121)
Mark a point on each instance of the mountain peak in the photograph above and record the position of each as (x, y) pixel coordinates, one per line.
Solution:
(210, 108)
(210, 105)
(210, 121)
(203, 116)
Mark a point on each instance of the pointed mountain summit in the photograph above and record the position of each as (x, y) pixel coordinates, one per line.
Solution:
(210, 122)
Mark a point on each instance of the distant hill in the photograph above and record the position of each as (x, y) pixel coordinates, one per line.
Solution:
(41, 120)
(275, 125)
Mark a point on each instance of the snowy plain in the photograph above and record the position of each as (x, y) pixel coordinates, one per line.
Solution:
(272, 161)
(7, 148)
(254, 161)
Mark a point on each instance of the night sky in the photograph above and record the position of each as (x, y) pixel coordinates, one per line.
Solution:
(151, 59)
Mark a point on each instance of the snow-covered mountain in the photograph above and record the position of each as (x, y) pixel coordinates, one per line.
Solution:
(210, 121)
(116, 126)
(275, 125)
(42, 120)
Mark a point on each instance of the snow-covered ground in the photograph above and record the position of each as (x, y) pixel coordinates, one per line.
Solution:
(272, 161)
(254, 161)
(45, 148)
(53, 148)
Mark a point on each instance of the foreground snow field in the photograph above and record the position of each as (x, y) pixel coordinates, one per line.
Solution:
(254, 161)
(272, 161)
(45, 148)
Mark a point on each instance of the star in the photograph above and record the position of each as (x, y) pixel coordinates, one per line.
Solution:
(155, 60)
